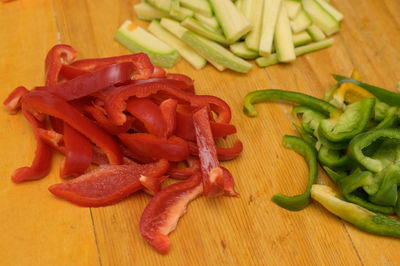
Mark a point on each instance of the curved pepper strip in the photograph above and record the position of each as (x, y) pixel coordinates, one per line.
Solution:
(69, 72)
(307, 137)
(13, 101)
(142, 67)
(92, 82)
(189, 82)
(173, 149)
(176, 172)
(53, 63)
(158, 72)
(229, 184)
(383, 95)
(168, 111)
(213, 176)
(223, 154)
(294, 97)
(310, 118)
(350, 184)
(41, 164)
(362, 141)
(387, 194)
(47, 103)
(78, 153)
(149, 114)
(116, 183)
(391, 118)
(349, 93)
(164, 210)
(299, 202)
(115, 103)
(352, 122)
(358, 216)
(332, 158)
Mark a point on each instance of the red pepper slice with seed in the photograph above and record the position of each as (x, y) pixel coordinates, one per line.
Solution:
(13, 101)
(149, 114)
(90, 83)
(78, 153)
(176, 172)
(168, 111)
(108, 184)
(47, 103)
(164, 210)
(213, 176)
(142, 67)
(173, 149)
(53, 63)
(41, 164)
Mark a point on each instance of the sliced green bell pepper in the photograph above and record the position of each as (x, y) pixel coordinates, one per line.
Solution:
(299, 202)
(354, 214)
(332, 158)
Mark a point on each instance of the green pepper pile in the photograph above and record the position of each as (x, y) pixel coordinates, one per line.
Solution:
(354, 133)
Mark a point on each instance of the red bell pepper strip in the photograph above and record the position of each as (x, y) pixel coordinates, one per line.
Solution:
(69, 72)
(173, 149)
(99, 115)
(224, 154)
(47, 103)
(164, 210)
(168, 111)
(52, 138)
(229, 184)
(158, 72)
(189, 82)
(78, 153)
(151, 185)
(108, 184)
(53, 63)
(135, 156)
(213, 177)
(149, 114)
(115, 103)
(142, 67)
(176, 172)
(92, 82)
(42, 161)
(13, 101)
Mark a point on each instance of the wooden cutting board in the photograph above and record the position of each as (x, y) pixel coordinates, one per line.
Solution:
(38, 229)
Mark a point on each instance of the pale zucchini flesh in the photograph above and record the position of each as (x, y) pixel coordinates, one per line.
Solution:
(240, 49)
(233, 23)
(252, 39)
(173, 26)
(270, 15)
(328, 24)
(211, 22)
(331, 10)
(301, 22)
(301, 38)
(136, 39)
(283, 38)
(181, 13)
(163, 5)
(198, 6)
(216, 52)
(184, 50)
(292, 8)
(147, 12)
(308, 48)
(198, 28)
(316, 33)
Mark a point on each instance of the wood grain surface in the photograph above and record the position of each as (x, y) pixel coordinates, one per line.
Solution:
(38, 229)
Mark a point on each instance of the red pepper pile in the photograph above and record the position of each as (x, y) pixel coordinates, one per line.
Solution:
(135, 121)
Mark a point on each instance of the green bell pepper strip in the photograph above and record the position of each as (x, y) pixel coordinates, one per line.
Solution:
(380, 111)
(307, 137)
(354, 214)
(390, 119)
(352, 122)
(332, 158)
(311, 118)
(299, 202)
(335, 176)
(295, 97)
(331, 145)
(350, 186)
(387, 192)
(383, 95)
(329, 92)
(362, 141)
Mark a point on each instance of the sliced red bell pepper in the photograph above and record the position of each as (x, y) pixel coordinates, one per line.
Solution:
(158, 72)
(108, 184)
(68, 72)
(142, 67)
(54, 139)
(173, 149)
(164, 210)
(42, 161)
(92, 82)
(115, 103)
(78, 153)
(149, 114)
(168, 110)
(213, 177)
(189, 82)
(151, 185)
(176, 172)
(13, 101)
(54, 62)
(224, 154)
(229, 184)
(47, 103)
